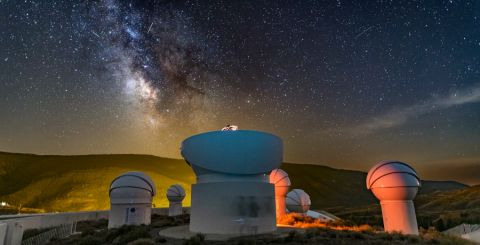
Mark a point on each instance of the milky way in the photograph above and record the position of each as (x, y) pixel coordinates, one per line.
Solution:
(345, 84)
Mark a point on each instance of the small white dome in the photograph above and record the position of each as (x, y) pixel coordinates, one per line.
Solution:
(392, 174)
(176, 193)
(281, 181)
(134, 180)
(298, 201)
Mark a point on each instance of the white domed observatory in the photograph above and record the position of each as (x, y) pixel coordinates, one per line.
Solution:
(233, 194)
(395, 184)
(175, 195)
(282, 183)
(131, 195)
(298, 201)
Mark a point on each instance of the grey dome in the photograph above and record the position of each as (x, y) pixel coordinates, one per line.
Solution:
(134, 179)
(176, 193)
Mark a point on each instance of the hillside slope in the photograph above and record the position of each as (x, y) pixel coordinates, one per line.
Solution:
(80, 183)
(329, 187)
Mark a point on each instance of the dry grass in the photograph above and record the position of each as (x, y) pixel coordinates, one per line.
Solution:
(298, 220)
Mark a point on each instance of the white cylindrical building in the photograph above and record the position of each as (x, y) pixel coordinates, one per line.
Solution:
(233, 194)
(131, 195)
(297, 201)
(282, 183)
(175, 195)
(395, 184)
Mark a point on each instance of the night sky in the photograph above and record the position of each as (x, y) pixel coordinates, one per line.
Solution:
(345, 84)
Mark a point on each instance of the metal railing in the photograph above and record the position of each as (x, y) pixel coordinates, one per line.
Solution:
(58, 232)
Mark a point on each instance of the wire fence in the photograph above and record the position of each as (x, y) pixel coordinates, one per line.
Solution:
(59, 232)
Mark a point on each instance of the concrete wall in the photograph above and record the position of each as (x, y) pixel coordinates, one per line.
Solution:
(12, 226)
(472, 236)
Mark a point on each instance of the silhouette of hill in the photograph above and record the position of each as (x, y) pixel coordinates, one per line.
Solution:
(80, 183)
(329, 187)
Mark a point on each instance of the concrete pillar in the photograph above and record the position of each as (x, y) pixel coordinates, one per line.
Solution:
(14, 232)
(3, 233)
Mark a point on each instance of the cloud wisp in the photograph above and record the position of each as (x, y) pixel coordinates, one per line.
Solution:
(397, 117)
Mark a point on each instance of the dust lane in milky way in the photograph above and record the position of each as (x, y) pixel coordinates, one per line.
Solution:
(345, 84)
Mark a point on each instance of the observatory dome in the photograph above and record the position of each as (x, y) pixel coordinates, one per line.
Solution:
(233, 152)
(132, 187)
(298, 201)
(400, 179)
(281, 181)
(176, 193)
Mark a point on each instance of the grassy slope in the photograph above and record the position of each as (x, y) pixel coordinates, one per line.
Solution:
(75, 183)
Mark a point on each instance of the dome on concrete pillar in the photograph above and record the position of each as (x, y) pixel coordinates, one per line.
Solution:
(176, 193)
(281, 181)
(393, 180)
(132, 187)
(298, 201)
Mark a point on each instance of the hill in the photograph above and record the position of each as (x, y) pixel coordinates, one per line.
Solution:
(329, 187)
(80, 183)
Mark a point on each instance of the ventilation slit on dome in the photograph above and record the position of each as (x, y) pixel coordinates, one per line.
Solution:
(178, 191)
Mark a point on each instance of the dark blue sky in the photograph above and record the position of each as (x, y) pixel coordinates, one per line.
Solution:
(346, 84)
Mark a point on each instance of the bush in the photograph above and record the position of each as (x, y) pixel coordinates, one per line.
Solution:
(126, 234)
(162, 223)
(88, 232)
(386, 236)
(142, 241)
(195, 240)
(358, 235)
(89, 240)
(161, 239)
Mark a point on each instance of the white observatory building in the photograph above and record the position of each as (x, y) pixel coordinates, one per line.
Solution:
(298, 201)
(282, 183)
(131, 195)
(175, 195)
(395, 184)
(233, 194)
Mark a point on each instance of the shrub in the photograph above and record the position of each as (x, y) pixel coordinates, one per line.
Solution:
(386, 236)
(88, 232)
(126, 234)
(161, 239)
(413, 239)
(195, 240)
(89, 240)
(142, 241)
(358, 235)
(162, 223)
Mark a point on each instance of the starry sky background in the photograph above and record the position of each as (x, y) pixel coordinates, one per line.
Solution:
(346, 84)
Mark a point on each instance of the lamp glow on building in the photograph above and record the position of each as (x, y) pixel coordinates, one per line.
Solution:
(395, 184)
(298, 201)
(233, 189)
(131, 195)
(282, 183)
(175, 195)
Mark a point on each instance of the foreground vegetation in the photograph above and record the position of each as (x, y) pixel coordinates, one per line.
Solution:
(317, 232)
